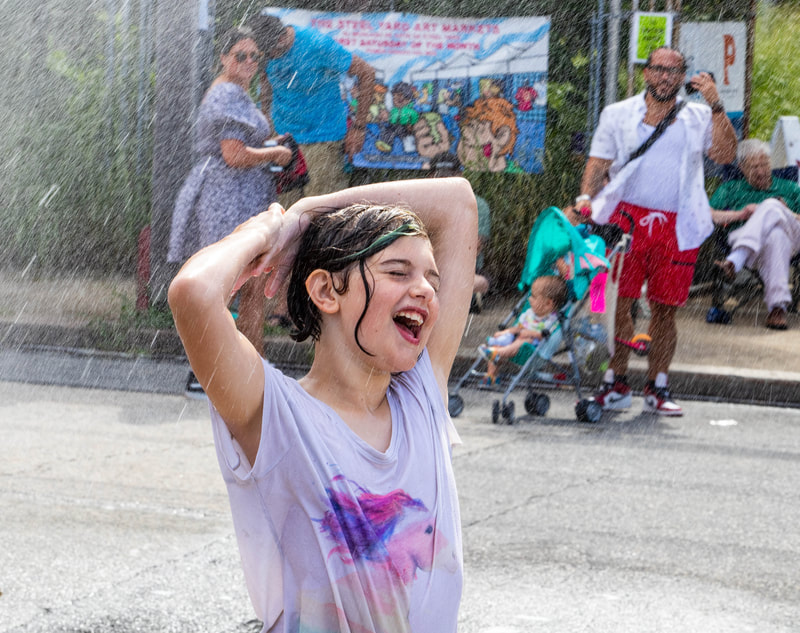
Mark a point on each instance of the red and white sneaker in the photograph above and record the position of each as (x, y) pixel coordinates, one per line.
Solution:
(614, 396)
(658, 400)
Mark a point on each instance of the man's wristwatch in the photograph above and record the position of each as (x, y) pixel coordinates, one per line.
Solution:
(717, 106)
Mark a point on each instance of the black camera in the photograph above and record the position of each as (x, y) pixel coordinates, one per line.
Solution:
(690, 89)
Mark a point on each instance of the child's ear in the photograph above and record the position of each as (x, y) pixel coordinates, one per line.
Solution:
(319, 285)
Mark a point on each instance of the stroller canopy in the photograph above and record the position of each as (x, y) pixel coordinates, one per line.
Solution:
(553, 237)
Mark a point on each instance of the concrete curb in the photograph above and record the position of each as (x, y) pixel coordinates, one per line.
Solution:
(152, 348)
(728, 384)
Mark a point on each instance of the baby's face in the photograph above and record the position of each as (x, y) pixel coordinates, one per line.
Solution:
(540, 303)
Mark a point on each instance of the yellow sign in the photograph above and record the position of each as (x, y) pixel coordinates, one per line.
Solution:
(650, 31)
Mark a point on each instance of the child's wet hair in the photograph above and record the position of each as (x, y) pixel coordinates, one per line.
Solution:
(555, 289)
(339, 241)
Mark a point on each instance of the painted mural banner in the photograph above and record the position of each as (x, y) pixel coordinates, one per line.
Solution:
(474, 87)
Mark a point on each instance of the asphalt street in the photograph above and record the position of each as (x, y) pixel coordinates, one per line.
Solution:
(113, 517)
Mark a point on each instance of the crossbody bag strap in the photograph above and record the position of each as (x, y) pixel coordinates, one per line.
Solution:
(660, 128)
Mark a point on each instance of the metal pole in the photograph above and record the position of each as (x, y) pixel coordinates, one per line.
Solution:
(631, 44)
(590, 102)
(596, 68)
(612, 63)
(204, 54)
(676, 7)
(176, 35)
(108, 101)
(124, 83)
(748, 67)
(142, 92)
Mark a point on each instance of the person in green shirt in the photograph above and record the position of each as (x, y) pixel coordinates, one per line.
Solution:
(759, 214)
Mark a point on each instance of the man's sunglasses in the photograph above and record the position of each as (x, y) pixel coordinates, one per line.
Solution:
(670, 70)
(242, 57)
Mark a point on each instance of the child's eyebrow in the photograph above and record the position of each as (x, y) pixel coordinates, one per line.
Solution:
(397, 260)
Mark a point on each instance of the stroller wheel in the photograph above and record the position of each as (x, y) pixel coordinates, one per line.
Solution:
(588, 411)
(508, 412)
(496, 412)
(537, 403)
(455, 405)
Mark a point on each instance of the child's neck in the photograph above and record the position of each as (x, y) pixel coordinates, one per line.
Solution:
(357, 394)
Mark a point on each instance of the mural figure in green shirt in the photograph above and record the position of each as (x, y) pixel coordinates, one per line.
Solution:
(402, 118)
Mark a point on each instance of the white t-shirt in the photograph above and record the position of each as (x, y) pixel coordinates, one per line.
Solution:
(529, 320)
(335, 535)
(655, 185)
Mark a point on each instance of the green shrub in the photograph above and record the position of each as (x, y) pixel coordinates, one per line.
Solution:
(776, 68)
(79, 183)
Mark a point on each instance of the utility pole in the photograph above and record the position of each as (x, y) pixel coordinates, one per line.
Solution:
(182, 28)
(676, 6)
(748, 66)
(612, 59)
(631, 65)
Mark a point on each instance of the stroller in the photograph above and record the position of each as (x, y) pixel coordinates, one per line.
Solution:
(578, 334)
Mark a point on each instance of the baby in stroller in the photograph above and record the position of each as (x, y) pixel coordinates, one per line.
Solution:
(578, 344)
(548, 295)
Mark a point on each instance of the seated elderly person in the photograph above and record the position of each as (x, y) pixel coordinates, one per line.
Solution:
(759, 211)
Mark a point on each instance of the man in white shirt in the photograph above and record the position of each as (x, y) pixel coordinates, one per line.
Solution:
(661, 193)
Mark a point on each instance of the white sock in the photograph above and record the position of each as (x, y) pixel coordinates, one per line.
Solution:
(739, 256)
(661, 379)
(608, 377)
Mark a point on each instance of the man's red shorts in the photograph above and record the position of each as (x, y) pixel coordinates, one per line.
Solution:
(654, 256)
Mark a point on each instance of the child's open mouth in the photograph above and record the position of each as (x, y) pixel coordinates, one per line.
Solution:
(409, 322)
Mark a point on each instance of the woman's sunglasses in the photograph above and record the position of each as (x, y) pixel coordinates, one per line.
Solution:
(242, 57)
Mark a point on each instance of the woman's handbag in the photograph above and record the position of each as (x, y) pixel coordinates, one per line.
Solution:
(295, 174)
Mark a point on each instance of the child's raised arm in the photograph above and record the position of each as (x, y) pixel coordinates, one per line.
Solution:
(448, 209)
(224, 361)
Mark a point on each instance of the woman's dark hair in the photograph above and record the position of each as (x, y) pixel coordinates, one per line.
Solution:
(234, 35)
(339, 241)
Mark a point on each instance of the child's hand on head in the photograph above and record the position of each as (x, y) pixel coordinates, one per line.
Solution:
(284, 250)
(266, 224)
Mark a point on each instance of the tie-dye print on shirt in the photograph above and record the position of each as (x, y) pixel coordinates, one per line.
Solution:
(385, 539)
(337, 536)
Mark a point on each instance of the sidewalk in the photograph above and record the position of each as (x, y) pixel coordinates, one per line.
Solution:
(743, 362)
